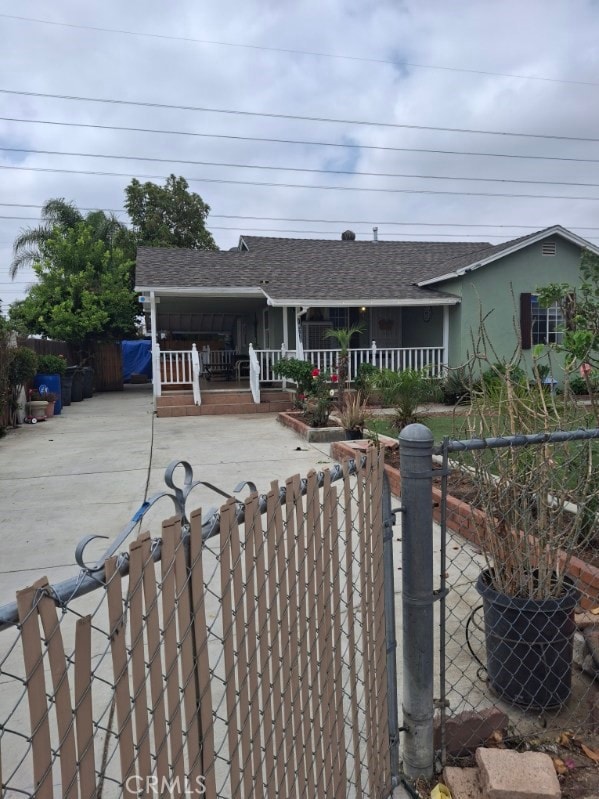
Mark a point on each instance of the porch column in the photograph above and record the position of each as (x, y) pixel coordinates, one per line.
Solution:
(299, 346)
(285, 337)
(445, 338)
(157, 388)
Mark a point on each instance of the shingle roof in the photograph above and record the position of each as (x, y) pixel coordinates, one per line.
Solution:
(316, 269)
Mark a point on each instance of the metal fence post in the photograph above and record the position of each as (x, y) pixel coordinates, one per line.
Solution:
(415, 458)
(390, 633)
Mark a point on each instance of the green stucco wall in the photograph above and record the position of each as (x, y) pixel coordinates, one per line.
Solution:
(495, 290)
(417, 332)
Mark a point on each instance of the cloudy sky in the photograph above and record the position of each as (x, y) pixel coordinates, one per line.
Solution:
(396, 113)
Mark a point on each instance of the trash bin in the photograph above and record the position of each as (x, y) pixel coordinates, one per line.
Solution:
(77, 386)
(88, 382)
(50, 382)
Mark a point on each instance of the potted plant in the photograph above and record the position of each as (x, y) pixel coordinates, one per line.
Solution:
(352, 414)
(22, 366)
(51, 398)
(50, 376)
(37, 406)
(530, 534)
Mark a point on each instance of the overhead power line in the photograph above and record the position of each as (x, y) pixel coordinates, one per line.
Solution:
(291, 51)
(306, 170)
(303, 142)
(395, 222)
(296, 117)
(227, 181)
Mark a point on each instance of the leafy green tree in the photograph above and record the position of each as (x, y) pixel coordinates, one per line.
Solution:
(83, 294)
(58, 213)
(580, 310)
(169, 215)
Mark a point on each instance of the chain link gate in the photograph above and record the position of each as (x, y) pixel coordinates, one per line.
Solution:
(247, 654)
(513, 675)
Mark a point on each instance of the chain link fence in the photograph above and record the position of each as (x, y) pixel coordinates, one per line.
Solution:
(519, 609)
(247, 654)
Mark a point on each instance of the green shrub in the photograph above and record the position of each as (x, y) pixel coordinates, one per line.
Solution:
(297, 370)
(405, 391)
(51, 364)
(456, 387)
(365, 379)
(22, 366)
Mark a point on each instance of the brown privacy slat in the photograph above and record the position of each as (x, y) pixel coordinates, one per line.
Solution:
(306, 600)
(380, 633)
(264, 673)
(200, 633)
(171, 539)
(326, 638)
(36, 690)
(339, 723)
(62, 697)
(337, 727)
(376, 604)
(273, 535)
(251, 509)
(286, 568)
(312, 523)
(158, 712)
(291, 664)
(138, 673)
(188, 675)
(353, 683)
(302, 701)
(365, 586)
(118, 647)
(84, 708)
(227, 522)
(241, 678)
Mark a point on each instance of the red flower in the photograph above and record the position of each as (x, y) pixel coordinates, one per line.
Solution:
(300, 397)
(315, 372)
(334, 378)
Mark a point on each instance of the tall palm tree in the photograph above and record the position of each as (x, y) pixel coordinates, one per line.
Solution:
(343, 337)
(28, 246)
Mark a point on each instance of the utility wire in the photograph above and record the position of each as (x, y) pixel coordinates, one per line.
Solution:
(395, 223)
(226, 181)
(296, 117)
(304, 142)
(290, 51)
(305, 170)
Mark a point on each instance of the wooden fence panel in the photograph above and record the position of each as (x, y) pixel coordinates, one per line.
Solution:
(108, 367)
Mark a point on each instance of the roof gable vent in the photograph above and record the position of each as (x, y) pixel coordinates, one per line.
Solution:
(549, 248)
(348, 235)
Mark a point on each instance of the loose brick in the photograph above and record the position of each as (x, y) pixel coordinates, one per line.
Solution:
(463, 783)
(505, 774)
(470, 729)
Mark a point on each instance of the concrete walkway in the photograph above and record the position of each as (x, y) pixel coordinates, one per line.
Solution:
(89, 469)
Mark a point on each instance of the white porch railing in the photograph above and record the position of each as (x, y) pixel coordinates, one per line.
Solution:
(396, 358)
(196, 371)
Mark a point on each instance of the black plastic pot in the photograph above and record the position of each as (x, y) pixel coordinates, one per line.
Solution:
(88, 382)
(529, 645)
(77, 386)
(353, 435)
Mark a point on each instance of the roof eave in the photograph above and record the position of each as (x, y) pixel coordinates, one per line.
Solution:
(542, 234)
(202, 291)
(383, 302)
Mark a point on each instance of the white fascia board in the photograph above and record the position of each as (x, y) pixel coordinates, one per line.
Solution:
(556, 230)
(201, 291)
(384, 302)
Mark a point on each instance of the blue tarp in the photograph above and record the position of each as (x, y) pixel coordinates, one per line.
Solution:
(137, 358)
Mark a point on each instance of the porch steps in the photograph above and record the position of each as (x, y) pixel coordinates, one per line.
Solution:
(221, 403)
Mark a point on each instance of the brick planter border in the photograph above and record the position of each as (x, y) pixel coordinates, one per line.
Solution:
(315, 435)
(469, 522)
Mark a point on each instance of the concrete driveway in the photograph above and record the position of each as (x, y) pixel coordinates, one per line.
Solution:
(89, 469)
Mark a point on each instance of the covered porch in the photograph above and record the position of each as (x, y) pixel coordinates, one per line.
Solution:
(229, 346)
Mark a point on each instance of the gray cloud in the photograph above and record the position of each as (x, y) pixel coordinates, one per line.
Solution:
(555, 40)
